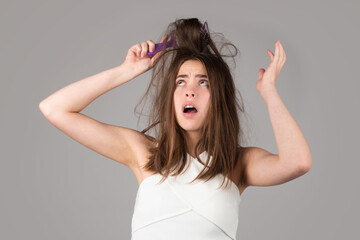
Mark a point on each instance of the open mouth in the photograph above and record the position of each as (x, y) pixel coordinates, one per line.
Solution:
(190, 110)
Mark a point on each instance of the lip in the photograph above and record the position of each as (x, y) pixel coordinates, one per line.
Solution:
(191, 104)
(189, 115)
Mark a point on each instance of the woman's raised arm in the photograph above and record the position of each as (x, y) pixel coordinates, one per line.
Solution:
(62, 109)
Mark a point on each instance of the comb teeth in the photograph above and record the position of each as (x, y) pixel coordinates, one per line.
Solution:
(204, 33)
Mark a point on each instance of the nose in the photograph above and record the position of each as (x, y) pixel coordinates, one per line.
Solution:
(190, 93)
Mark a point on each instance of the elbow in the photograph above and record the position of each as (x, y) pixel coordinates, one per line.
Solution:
(45, 109)
(42, 108)
(305, 165)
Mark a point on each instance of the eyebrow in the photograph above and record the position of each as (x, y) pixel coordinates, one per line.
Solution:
(186, 76)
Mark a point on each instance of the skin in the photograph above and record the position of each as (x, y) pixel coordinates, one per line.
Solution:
(267, 78)
(191, 87)
(130, 147)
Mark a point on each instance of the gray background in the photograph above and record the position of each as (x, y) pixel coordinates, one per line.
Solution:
(54, 188)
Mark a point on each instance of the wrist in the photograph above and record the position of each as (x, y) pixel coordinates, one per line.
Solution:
(124, 72)
(268, 92)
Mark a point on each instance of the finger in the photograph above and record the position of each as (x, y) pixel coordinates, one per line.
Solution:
(281, 53)
(277, 52)
(271, 55)
(283, 59)
(156, 56)
(151, 45)
(163, 39)
(136, 49)
(261, 73)
(144, 49)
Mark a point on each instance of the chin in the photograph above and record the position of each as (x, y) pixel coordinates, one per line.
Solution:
(189, 127)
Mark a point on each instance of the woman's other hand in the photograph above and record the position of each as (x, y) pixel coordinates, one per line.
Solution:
(268, 77)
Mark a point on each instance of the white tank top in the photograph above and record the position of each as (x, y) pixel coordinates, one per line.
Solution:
(177, 209)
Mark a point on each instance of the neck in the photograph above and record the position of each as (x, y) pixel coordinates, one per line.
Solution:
(192, 139)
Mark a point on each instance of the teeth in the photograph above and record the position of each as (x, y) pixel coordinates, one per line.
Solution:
(189, 106)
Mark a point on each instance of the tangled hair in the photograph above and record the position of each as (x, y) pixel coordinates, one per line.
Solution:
(221, 132)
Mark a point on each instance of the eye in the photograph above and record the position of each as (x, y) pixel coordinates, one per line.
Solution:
(205, 81)
(177, 83)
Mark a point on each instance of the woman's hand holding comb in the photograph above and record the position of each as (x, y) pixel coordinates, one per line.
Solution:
(136, 58)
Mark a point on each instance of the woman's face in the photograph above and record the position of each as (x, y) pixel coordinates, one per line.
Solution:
(192, 89)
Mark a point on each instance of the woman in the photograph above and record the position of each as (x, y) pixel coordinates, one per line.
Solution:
(196, 145)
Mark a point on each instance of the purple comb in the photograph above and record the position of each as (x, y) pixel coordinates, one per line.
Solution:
(204, 33)
(161, 46)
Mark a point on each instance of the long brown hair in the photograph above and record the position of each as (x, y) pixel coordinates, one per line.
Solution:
(221, 132)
